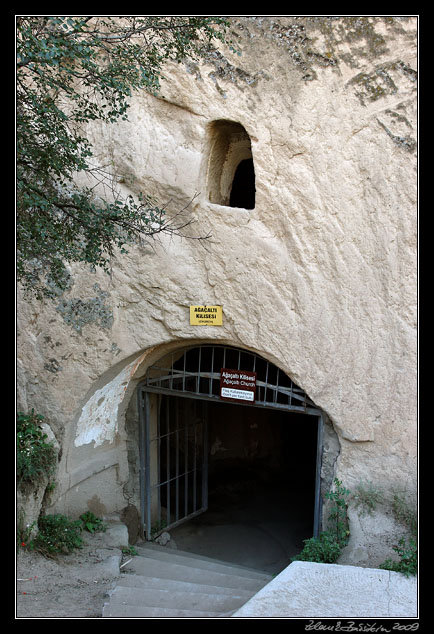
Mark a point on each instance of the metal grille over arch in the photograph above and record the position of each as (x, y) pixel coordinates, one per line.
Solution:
(195, 373)
(174, 430)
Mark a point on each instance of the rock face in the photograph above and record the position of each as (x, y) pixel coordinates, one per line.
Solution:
(319, 277)
(31, 495)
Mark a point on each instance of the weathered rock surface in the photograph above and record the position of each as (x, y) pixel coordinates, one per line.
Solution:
(319, 278)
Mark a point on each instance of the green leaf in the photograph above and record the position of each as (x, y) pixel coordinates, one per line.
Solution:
(72, 71)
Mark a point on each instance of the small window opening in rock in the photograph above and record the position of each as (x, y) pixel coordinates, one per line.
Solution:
(230, 169)
(243, 186)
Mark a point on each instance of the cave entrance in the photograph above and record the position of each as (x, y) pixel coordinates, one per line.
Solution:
(209, 463)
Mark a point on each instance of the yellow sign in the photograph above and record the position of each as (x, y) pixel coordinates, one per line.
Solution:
(206, 315)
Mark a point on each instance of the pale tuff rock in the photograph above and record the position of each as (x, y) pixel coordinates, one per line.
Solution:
(318, 278)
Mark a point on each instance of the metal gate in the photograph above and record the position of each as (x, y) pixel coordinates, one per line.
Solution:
(175, 453)
(172, 403)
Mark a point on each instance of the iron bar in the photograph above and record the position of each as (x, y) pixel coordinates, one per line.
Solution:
(147, 522)
(177, 466)
(205, 458)
(186, 471)
(266, 381)
(171, 374)
(142, 423)
(198, 372)
(194, 457)
(317, 503)
(168, 463)
(211, 374)
(157, 440)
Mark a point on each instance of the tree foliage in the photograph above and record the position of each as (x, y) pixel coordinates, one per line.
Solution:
(72, 71)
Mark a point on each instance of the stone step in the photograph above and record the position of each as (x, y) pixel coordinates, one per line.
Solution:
(192, 555)
(138, 581)
(148, 566)
(158, 598)
(199, 561)
(137, 612)
(158, 584)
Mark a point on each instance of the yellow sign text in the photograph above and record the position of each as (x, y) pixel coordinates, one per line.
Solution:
(206, 315)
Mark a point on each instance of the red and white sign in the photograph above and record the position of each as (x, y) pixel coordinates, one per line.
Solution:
(237, 385)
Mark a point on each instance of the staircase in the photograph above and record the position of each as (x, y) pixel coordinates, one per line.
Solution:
(163, 583)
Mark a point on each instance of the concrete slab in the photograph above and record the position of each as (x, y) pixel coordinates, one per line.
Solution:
(311, 590)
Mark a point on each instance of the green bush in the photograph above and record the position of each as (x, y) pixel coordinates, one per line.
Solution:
(323, 549)
(57, 534)
(91, 523)
(338, 518)
(408, 558)
(36, 457)
(327, 547)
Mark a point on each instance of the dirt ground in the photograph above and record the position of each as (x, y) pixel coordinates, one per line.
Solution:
(71, 586)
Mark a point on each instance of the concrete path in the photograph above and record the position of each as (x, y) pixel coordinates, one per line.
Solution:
(310, 590)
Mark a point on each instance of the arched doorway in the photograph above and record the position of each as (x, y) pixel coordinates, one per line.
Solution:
(211, 411)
